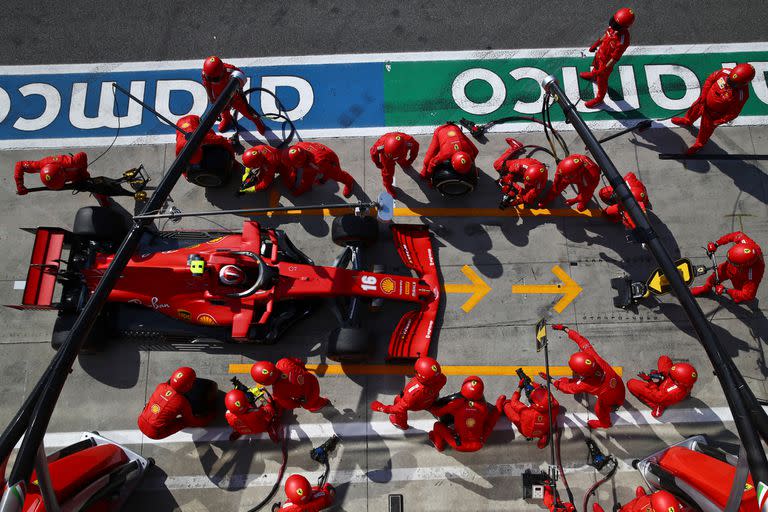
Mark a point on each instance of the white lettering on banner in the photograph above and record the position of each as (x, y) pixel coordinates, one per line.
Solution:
(758, 84)
(536, 74)
(654, 72)
(52, 107)
(303, 88)
(106, 117)
(163, 92)
(498, 94)
(571, 88)
(5, 104)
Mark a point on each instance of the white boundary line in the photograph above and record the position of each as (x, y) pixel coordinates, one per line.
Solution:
(387, 430)
(114, 67)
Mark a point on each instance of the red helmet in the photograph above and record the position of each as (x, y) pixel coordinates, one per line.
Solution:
(426, 368)
(394, 146)
(639, 191)
(664, 501)
(582, 364)
(53, 177)
(188, 123)
(231, 275)
(683, 374)
(461, 162)
(213, 67)
(743, 254)
(297, 489)
(570, 165)
(624, 17)
(297, 156)
(253, 158)
(472, 388)
(236, 401)
(264, 372)
(540, 401)
(182, 379)
(742, 74)
(535, 175)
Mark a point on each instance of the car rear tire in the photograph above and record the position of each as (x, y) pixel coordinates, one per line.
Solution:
(450, 183)
(63, 326)
(214, 169)
(100, 223)
(349, 345)
(354, 230)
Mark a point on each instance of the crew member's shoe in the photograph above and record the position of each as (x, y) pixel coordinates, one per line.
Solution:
(681, 121)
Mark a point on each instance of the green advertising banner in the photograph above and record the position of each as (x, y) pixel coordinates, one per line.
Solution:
(653, 84)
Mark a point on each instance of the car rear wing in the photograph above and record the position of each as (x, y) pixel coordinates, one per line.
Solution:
(413, 334)
(43, 269)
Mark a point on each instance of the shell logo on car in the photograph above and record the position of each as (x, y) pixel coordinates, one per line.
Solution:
(387, 285)
(206, 319)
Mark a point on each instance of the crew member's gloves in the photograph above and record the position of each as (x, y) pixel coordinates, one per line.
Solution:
(500, 402)
(719, 289)
(542, 375)
(560, 327)
(644, 376)
(22, 191)
(521, 384)
(711, 247)
(377, 406)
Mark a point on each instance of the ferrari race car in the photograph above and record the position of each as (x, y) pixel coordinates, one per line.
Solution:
(701, 474)
(242, 287)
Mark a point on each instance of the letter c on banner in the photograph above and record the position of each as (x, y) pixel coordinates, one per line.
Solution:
(654, 72)
(303, 88)
(5, 104)
(538, 76)
(52, 107)
(498, 95)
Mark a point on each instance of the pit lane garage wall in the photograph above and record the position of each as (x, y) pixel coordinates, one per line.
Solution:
(354, 95)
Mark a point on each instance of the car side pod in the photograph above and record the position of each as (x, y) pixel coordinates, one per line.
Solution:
(413, 334)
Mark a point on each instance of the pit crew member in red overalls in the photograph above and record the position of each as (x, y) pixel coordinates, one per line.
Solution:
(216, 74)
(292, 384)
(247, 418)
(522, 181)
(615, 211)
(55, 171)
(577, 170)
(393, 148)
(449, 144)
(593, 376)
(669, 385)
(723, 96)
(659, 501)
(317, 163)
(302, 497)
(744, 268)
(553, 502)
(418, 395)
(473, 418)
(608, 50)
(532, 421)
(168, 410)
(263, 163)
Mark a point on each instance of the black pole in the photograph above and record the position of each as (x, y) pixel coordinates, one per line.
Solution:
(145, 216)
(61, 365)
(728, 374)
(697, 156)
(158, 114)
(641, 126)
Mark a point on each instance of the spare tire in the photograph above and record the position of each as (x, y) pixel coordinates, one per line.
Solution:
(450, 183)
(354, 230)
(100, 223)
(349, 344)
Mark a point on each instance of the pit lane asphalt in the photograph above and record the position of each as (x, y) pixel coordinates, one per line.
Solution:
(205, 472)
(81, 31)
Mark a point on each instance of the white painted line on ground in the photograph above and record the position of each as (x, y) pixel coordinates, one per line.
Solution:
(113, 67)
(521, 127)
(385, 429)
(19, 285)
(475, 474)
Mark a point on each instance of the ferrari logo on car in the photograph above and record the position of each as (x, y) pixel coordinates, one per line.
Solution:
(387, 285)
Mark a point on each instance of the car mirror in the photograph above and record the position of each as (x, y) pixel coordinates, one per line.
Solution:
(385, 207)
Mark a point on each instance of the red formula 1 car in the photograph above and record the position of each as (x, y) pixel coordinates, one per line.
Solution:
(241, 287)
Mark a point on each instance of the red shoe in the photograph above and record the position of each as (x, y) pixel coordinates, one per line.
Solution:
(639, 491)
(259, 125)
(323, 403)
(593, 103)
(347, 191)
(593, 424)
(694, 149)
(681, 121)
(657, 411)
(587, 75)
(234, 436)
(700, 290)
(402, 426)
(437, 443)
(226, 121)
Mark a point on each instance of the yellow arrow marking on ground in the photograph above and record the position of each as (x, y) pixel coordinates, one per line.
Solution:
(401, 369)
(570, 289)
(478, 288)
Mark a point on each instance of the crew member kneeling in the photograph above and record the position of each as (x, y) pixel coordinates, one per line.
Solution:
(302, 497)
(659, 501)
(449, 147)
(671, 384)
(169, 411)
(615, 210)
(532, 421)
(248, 418)
(292, 384)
